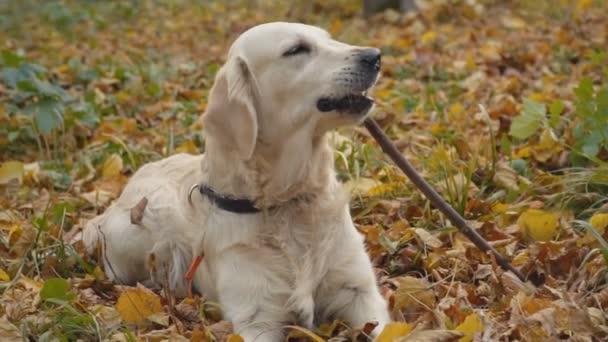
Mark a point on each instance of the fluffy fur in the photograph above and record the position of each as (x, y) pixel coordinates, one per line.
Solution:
(302, 261)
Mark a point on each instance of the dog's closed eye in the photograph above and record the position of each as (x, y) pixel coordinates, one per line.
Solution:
(297, 49)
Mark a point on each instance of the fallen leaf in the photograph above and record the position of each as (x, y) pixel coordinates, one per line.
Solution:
(4, 276)
(234, 338)
(187, 146)
(537, 224)
(221, 330)
(135, 304)
(599, 222)
(469, 327)
(9, 332)
(413, 294)
(393, 331)
(431, 336)
(10, 170)
(428, 238)
(112, 166)
(296, 331)
(361, 185)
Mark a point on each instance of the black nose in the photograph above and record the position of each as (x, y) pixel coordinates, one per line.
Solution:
(370, 58)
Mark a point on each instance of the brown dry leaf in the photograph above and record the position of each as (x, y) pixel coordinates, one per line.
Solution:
(221, 330)
(136, 304)
(427, 238)
(169, 334)
(98, 197)
(9, 332)
(412, 294)
(187, 312)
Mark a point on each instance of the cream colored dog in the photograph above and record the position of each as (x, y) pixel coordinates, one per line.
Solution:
(293, 255)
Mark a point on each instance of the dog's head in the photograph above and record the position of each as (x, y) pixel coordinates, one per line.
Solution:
(285, 79)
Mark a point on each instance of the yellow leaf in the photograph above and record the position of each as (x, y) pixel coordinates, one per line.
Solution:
(136, 304)
(429, 37)
(455, 110)
(538, 225)
(522, 153)
(383, 93)
(470, 326)
(234, 338)
(491, 52)
(187, 147)
(297, 331)
(11, 170)
(112, 166)
(547, 146)
(393, 331)
(582, 5)
(336, 26)
(361, 185)
(4, 276)
(14, 234)
(599, 222)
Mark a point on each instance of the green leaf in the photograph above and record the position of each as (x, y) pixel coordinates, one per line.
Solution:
(11, 59)
(27, 85)
(505, 145)
(557, 107)
(591, 143)
(584, 91)
(49, 115)
(55, 288)
(602, 103)
(529, 121)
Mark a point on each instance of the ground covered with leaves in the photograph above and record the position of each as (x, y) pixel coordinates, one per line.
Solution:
(501, 105)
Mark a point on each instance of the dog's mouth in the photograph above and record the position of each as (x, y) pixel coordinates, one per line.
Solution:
(356, 104)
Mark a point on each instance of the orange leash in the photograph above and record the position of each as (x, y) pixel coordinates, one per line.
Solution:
(190, 275)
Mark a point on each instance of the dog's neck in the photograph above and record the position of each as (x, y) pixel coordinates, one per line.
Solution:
(275, 174)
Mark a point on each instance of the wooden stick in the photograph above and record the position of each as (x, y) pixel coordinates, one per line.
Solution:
(389, 148)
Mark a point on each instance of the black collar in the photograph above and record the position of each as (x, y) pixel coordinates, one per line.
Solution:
(234, 205)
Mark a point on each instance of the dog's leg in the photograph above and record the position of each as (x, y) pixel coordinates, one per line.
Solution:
(168, 263)
(253, 291)
(350, 292)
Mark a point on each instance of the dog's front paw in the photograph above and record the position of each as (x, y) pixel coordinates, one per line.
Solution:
(303, 308)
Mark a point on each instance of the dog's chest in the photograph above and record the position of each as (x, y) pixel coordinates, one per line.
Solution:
(284, 234)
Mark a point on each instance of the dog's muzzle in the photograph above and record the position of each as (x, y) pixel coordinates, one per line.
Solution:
(356, 100)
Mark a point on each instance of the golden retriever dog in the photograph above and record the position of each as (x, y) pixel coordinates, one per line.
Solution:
(266, 209)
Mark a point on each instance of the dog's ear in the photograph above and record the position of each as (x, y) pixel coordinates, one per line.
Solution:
(231, 117)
